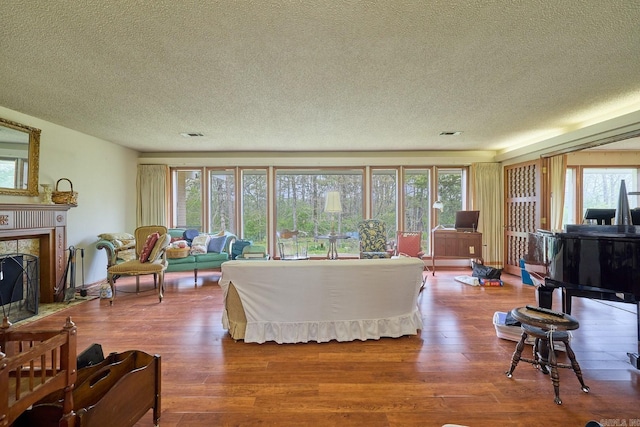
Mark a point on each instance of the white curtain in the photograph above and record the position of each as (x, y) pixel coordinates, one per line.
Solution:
(152, 195)
(558, 171)
(486, 196)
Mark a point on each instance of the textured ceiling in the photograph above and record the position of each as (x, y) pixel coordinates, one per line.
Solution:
(319, 75)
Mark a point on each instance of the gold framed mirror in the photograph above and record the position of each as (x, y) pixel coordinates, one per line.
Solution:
(19, 158)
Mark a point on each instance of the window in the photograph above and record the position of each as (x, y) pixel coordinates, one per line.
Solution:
(417, 203)
(238, 200)
(254, 206)
(450, 194)
(384, 198)
(601, 187)
(222, 198)
(187, 198)
(300, 201)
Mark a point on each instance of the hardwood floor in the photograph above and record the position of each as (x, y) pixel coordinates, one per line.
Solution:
(453, 372)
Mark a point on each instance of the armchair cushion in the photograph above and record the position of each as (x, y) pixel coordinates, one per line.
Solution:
(148, 246)
(161, 245)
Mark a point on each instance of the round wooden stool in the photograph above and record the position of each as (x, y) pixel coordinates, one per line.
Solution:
(547, 327)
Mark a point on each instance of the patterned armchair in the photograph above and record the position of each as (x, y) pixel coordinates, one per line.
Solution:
(373, 239)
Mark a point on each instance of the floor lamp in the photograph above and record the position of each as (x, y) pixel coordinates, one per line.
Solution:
(439, 206)
(332, 205)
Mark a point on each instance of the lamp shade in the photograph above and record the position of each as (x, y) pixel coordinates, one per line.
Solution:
(332, 202)
(438, 205)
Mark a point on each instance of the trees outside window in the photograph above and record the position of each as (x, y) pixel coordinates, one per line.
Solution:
(300, 200)
(417, 203)
(222, 198)
(254, 206)
(187, 198)
(450, 194)
(384, 199)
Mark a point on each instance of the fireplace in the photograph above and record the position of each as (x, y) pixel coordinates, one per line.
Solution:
(19, 286)
(48, 225)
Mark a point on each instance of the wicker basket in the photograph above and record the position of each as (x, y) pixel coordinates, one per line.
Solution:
(177, 252)
(65, 197)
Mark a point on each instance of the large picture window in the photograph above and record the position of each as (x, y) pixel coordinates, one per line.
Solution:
(258, 203)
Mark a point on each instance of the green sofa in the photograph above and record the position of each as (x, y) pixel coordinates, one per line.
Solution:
(120, 249)
(205, 261)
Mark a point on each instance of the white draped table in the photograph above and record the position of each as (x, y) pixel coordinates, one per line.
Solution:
(321, 300)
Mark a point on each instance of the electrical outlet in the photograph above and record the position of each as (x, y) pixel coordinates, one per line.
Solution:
(472, 250)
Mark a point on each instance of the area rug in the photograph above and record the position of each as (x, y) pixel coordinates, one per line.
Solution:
(47, 309)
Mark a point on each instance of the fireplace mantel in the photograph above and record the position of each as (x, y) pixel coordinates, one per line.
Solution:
(48, 223)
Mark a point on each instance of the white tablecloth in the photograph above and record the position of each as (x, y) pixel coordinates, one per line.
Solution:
(323, 300)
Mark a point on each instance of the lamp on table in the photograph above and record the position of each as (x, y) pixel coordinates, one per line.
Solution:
(332, 205)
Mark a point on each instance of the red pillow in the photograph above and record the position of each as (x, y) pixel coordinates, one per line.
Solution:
(148, 246)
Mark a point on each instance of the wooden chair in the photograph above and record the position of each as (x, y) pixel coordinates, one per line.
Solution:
(156, 263)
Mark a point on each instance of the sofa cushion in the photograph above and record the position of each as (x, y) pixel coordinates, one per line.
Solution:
(190, 234)
(199, 244)
(216, 243)
(211, 256)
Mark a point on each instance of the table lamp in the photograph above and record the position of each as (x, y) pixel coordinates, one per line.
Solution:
(332, 205)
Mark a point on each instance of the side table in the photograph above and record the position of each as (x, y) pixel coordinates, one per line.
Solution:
(332, 253)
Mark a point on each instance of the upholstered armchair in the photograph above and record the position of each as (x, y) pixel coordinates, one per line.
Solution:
(151, 245)
(373, 239)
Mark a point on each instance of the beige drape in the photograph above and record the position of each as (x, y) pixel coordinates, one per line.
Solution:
(486, 196)
(557, 170)
(152, 202)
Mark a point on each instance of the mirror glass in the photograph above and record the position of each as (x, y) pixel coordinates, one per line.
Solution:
(19, 158)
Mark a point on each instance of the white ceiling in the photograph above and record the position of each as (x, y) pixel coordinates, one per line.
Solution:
(320, 75)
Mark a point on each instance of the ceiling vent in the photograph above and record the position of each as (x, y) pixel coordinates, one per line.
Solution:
(191, 134)
(451, 133)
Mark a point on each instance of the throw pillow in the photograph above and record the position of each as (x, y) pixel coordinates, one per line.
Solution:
(200, 244)
(148, 246)
(216, 244)
(190, 234)
(161, 244)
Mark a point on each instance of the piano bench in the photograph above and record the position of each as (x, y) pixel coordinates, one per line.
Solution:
(546, 327)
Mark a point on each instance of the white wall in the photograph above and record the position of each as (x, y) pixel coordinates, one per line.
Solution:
(100, 172)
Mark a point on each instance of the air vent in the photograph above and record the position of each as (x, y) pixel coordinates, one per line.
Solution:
(451, 133)
(191, 134)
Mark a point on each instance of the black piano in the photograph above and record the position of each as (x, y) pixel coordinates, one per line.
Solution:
(592, 261)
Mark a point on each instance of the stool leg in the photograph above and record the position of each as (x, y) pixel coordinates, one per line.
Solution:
(517, 354)
(541, 355)
(555, 378)
(575, 366)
